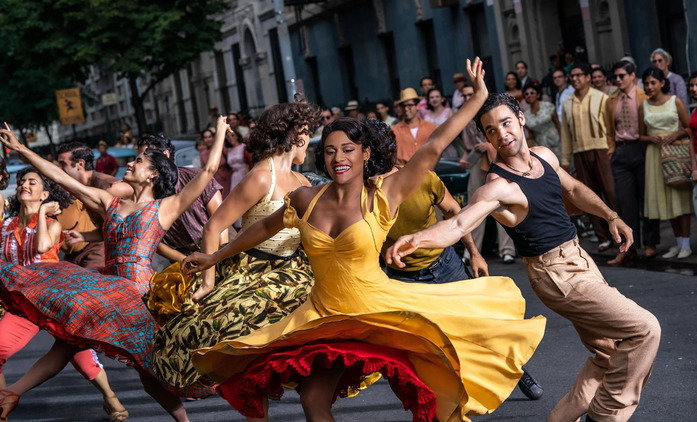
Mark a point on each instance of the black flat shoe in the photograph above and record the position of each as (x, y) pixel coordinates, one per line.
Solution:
(529, 386)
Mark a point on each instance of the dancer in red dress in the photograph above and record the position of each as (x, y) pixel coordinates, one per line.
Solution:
(83, 309)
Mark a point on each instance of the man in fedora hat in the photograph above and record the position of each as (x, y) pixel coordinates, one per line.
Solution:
(412, 131)
(459, 83)
(352, 109)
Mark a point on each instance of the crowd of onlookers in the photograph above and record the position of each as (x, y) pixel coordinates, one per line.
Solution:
(609, 127)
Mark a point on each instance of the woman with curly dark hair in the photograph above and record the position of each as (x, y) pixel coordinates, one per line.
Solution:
(85, 309)
(253, 288)
(431, 342)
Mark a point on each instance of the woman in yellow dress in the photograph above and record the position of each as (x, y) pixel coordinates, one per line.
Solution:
(448, 351)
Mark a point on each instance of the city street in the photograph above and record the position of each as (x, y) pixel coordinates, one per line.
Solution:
(669, 395)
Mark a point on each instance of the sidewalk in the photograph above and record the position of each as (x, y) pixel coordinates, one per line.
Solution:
(686, 266)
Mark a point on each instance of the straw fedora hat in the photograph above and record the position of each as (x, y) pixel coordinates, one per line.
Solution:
(408, 94)
(352, 105)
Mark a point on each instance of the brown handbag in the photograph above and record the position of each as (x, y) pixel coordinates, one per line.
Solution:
(677, 164)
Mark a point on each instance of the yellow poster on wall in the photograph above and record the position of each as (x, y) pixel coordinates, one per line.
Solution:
(70, 106)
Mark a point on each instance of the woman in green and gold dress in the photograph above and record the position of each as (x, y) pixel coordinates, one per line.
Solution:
(448, 351)
(250, 289)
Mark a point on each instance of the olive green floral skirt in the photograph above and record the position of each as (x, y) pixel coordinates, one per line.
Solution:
(249, 293)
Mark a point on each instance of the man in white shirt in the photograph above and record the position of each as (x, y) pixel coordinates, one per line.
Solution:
(564, 90)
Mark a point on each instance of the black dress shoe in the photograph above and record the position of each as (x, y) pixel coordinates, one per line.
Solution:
(529, 386)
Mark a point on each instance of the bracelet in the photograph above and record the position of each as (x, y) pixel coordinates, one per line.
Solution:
(613, 218)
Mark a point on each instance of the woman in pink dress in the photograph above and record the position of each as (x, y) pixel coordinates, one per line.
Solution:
(437, 111)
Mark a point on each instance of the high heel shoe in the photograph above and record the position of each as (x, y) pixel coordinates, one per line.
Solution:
(114, 415)
(8, 402)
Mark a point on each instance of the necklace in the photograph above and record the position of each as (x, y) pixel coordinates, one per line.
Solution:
(524, 173)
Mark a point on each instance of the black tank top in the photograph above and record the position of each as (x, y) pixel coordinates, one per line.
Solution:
(547, 224)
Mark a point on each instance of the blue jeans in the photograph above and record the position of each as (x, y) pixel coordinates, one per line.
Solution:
(448, 267)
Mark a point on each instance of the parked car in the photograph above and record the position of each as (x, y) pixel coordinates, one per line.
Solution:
(123, 157)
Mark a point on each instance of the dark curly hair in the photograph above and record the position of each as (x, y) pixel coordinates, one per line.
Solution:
(79, 151)
(4, 175)
(372, 134)
(279, 127)
(164, 183)
(55, 192)
(493, 101)
(160, 142)
(656, 73)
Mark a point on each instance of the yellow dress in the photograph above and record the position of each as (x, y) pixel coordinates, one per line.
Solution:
(466, 341)
(661, 201)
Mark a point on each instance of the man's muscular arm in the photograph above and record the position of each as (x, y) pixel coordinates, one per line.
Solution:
(485, 200)
(586, 200)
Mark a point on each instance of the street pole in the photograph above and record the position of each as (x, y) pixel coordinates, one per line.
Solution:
(286, 53)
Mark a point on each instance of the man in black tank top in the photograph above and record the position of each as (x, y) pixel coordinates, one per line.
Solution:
(524, 192)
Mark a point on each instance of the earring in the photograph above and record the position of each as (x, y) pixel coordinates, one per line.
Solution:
(365, 164)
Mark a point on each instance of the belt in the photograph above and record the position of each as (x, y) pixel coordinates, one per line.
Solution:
(267, 256)
(623, 142)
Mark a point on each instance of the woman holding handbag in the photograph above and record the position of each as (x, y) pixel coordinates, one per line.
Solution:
(663, 124)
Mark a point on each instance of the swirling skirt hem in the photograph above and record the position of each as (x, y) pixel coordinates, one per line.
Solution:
(266, 375)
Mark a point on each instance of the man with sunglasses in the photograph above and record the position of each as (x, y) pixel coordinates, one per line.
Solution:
(584, 133)
(413, 131)
(325, 117)
(627, 160)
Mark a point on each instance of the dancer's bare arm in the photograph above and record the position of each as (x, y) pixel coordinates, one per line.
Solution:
(174, 206)
(450, 207)
(93, 198)
(257, 233)
(251, 189)
(48, 233)
(403, 183)
(485, 200)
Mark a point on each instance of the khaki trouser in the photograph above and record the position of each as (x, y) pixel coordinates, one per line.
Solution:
(623, 336)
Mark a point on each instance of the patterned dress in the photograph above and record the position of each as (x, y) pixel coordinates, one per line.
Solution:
(543, 127)
(252, 289)
(104, 312)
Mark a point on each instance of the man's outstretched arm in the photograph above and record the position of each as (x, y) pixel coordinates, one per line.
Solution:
(447, 232)
(586, 200)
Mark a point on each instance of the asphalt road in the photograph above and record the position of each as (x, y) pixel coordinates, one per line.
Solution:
(669, 395)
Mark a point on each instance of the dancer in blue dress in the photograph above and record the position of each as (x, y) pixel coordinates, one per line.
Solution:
(84, 309)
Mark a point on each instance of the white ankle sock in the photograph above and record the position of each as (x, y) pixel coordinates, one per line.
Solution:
(678, 241)
(685, 243)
